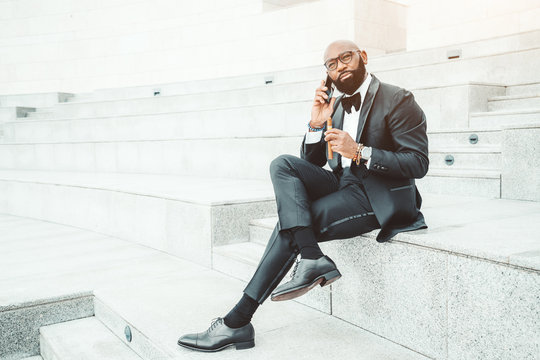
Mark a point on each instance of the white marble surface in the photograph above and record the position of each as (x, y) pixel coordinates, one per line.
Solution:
(197, 190)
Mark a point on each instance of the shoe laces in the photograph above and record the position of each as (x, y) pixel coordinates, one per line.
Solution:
(215, 323)
(295, 267)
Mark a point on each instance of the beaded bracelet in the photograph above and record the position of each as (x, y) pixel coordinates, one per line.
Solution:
(357, 156)
(315, 129)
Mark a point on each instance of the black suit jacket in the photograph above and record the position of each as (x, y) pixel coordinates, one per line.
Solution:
(392, 123)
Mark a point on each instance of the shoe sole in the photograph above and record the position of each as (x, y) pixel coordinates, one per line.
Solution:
(239, 346)
(323, 280)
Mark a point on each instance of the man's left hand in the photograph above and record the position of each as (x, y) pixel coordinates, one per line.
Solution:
(341, 142)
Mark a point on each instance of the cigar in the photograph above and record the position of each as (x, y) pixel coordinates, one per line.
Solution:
(328, 127)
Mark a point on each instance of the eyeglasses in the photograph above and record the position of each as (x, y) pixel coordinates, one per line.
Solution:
(345, 58)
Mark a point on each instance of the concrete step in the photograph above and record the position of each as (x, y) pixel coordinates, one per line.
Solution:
(251, 121)
(153, 157)
(40, 115)
(237, 260)
(163, 212)
(466, 157)
(212, 294)
(251, 156)
(496, 119)
(459, 71)
(34, 100)
(256, 121)
(514, 102)
(523, 89)
(462, 182)
(266, 94)
(13, 113)
(261, 229)
(82, 339)
(469, 137)
(458, 221)
(472, 258)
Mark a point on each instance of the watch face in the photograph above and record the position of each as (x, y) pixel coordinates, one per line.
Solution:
(366, 152)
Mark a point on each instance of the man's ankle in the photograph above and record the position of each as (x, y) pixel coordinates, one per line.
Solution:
(242, 313)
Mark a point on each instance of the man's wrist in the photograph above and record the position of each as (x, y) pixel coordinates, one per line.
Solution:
(365, 152)
(313, 128)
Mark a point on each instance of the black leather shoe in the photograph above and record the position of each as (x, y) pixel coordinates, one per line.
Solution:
(307, 274)
(219, 336)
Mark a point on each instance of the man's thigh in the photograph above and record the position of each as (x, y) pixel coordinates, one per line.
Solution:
(317, 181)
(343, 214)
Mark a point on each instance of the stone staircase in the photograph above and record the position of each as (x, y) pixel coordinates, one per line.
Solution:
(126, 301)
(182, 169)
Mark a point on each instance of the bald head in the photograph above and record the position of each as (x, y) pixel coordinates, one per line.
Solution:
(337, 47)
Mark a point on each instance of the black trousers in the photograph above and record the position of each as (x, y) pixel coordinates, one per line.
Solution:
(336, 207)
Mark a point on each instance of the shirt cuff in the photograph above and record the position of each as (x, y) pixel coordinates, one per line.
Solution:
(313, 137)
(368, 162)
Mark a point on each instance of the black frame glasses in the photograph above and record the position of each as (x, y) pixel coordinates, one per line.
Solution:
(345, 58)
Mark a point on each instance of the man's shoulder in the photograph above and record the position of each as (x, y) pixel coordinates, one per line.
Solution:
(391, 90)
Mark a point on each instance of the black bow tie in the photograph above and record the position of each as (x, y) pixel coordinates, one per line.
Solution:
(349, 101)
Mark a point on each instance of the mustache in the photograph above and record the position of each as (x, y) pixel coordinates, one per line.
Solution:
(345, 73)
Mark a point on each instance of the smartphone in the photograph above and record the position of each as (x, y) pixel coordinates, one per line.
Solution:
(330, 85)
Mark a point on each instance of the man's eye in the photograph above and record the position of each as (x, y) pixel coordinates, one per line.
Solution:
(346, 57)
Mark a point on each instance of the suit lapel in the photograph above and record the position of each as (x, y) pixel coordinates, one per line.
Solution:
(366, 106)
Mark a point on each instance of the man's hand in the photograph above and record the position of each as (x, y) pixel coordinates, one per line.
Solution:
(321, 110)
(341, 142)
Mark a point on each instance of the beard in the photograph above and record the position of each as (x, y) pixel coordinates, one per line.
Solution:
(350, 85)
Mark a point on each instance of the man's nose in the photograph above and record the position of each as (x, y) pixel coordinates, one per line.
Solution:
(341, 67)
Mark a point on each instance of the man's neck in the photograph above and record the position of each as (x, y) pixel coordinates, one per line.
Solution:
(366, 77)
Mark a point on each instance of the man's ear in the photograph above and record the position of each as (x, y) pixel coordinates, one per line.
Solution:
(364, 57)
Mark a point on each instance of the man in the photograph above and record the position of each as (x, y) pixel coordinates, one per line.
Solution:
(380, 146)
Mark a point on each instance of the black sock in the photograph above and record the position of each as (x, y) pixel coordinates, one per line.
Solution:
(307, 244)
(241, 314)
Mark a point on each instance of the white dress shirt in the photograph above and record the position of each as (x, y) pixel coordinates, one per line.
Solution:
(350, 123)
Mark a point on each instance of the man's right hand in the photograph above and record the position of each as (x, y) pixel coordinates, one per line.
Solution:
(321, 110)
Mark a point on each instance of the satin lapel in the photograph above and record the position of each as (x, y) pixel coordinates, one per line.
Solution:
(337, 123)
(366, 106)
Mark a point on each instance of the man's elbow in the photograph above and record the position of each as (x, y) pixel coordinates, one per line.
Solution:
(422, 168)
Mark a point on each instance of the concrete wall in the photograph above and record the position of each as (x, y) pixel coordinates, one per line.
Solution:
(435, 23)
(78, 46)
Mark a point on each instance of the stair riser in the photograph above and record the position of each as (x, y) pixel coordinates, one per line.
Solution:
(461, 139)
(491, 121)
(20, 324)
(251, 157)
(484, 69)
(40, 115)
(514, 104)
(385, 284)
(489, 161)
(14, 113)
(259, 234)
(274, 120)
(34, 100)
(140, 344)
(523, 89)
(448, 107)
(195, 102)
(483, 187)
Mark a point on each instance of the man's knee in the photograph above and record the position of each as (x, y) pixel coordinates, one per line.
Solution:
(282, 163)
